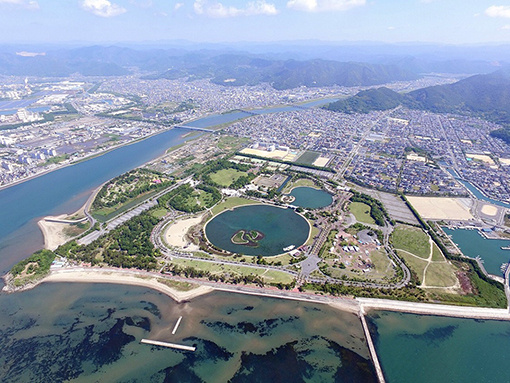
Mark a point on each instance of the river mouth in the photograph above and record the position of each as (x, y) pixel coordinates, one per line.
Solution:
(258, 230)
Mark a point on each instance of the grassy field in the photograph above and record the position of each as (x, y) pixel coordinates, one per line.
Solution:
(181, 286)
(231, 143)
(414, 263)
(159, 212)
(307, 158)
(225, 177)
(381, 263)
(362, 212)
(440, 274)
(411, 239)
(269, 276)
(302, 182)
(230, 204)
(436, 254)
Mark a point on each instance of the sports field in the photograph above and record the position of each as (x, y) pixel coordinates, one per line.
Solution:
(441, 208)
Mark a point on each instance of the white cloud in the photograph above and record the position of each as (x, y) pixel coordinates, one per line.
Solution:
(498, 11)
(218, 10)
(178, 6)
(103, 8)
(324, 5)
(391, 28)
(505, 27)
(22, 3)
(142, 3)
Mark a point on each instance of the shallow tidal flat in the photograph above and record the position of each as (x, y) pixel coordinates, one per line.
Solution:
(424, 349)
(91, 333)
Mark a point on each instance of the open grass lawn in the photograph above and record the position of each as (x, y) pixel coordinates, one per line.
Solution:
(225, 177)
(230, 142)
(160, 212)
(230, 204)
(362, 212)
(307, 158)
(411, 239)
(381, 262)
(440, 274)
(436, 254)
(270, 276)
(414, 263)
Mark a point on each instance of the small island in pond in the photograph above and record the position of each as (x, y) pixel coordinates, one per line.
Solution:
(247, 237)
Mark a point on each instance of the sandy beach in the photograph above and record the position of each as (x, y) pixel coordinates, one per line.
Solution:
(175, 234)
(53, 232)
(127, 278)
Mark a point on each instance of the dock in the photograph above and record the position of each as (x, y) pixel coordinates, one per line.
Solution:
(177, 325)
(169, 345)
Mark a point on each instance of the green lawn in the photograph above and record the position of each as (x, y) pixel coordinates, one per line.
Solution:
(436, 254)
(225, 177)
(440, 274)
(269, 276)
(362, 212)
(231, 203)
(302, 182)
(417, 265)
(411, 239)
(307, 158)
(381, 262)
(160, 212)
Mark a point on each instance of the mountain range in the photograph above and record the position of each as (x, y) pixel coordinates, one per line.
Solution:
(485, 95)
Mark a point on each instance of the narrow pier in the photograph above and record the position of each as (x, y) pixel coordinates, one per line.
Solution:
(177, 325)
(169, 345)
(371, 348)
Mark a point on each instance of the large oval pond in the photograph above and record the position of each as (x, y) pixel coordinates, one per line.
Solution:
(257, 230)
(311, 198)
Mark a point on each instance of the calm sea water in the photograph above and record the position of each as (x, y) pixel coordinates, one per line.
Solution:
(472, 244)
(425, 349)
(311, 198)
(91, 333)
(280, 227)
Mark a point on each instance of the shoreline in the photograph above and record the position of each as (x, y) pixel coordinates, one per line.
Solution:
(86, 158)
(433, 309)
(358, 306)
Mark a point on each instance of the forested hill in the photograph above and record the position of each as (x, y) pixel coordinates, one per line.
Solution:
(237, 70)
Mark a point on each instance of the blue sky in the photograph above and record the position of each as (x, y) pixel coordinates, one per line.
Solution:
(439, 21)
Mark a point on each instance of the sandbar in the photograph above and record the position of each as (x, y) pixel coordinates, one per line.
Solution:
(124, 278)
(53, 232)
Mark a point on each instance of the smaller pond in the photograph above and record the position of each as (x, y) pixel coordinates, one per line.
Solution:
(258, 230)
(311, 198)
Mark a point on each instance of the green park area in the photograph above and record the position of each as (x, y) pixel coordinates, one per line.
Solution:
(431, 267)
(231, 203)
(226, 177)
(127, 190)
(307, 158)
(362, 212)
(268, 276)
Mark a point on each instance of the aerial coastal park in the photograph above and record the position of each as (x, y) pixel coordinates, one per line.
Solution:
(219, 217)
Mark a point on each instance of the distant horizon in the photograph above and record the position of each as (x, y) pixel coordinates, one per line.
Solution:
(257, 21)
